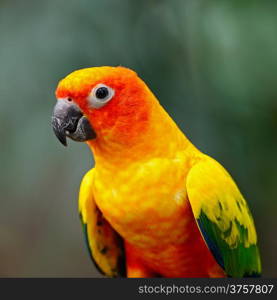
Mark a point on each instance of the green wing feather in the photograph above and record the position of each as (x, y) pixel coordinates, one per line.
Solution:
(104, 244)
(224, 219)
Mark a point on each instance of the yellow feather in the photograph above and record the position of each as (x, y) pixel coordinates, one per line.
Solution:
(211, 188)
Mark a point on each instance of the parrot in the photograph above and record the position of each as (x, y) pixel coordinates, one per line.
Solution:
(153, 205)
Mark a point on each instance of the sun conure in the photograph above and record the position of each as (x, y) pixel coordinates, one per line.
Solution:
(153, 205)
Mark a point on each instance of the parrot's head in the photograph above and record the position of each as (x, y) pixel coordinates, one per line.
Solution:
(102, 105)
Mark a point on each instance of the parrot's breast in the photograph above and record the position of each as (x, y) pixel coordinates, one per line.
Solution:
(146, 202)
(147, 205)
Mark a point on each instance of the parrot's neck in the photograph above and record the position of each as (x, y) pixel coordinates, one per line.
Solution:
(161, 138)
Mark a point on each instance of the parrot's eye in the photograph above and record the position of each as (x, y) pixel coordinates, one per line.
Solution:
(100, 95)
(102, 92)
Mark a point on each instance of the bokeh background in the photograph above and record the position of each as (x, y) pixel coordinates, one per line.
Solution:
(212, 64)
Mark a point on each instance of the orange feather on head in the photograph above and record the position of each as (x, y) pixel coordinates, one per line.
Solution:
(124, 116)
(131, 124)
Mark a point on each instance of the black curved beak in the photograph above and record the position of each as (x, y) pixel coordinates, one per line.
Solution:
(68, 121)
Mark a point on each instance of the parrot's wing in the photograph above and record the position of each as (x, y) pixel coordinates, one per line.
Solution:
(104, 244)
(224, 219)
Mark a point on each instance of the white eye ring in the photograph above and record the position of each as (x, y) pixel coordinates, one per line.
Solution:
(100, 95)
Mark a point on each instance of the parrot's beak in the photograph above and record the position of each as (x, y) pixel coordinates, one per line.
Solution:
(68, 121)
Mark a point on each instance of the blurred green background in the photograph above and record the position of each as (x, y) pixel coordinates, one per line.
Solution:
(212, 64)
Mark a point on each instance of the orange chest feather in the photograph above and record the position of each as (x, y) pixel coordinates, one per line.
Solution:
(145, 203)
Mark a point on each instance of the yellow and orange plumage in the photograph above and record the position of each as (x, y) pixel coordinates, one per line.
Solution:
(154, 205)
